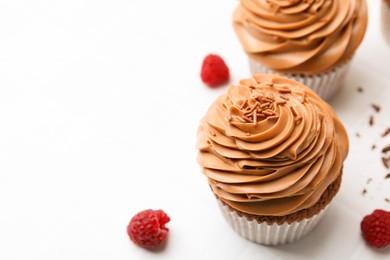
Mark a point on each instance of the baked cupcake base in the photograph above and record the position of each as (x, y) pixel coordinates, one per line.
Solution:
(326, 84)
(275, 230)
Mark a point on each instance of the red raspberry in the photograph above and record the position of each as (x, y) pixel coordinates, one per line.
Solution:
(376, 228)
(214, 71)
(147, 228)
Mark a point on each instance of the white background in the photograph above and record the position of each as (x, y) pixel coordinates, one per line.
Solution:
(99, 106)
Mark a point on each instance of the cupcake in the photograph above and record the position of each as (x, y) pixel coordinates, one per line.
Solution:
(310, 41)
(386, 20)
(272, 152)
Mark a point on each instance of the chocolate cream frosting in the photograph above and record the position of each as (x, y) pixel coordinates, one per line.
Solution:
(270, 146)
(300, 36)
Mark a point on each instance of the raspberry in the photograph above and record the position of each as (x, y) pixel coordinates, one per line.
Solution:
(147, 228)
(214, 71)
(376, 228)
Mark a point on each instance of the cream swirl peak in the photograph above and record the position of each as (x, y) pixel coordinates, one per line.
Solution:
(271, 146)
(300, 36)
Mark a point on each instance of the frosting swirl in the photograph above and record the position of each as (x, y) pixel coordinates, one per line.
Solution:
(270, 146)
(300, 36)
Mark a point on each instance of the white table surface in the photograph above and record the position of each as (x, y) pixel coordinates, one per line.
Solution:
(99, 106)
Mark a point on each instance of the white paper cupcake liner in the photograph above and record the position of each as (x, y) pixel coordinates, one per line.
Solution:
(326, 84)
(385, 17)
(274, 234)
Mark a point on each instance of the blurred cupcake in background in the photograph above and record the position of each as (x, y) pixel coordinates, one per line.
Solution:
(310, 41)
(386, 20)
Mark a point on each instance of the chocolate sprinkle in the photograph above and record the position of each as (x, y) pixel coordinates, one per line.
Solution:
(386, 149)
(387, 200)
(364, 192)
(376, 107)
(386, 162)
(360, 89)
(373, 147)
(371, 121)
(387, 176)
(387, 131)
(357, 135)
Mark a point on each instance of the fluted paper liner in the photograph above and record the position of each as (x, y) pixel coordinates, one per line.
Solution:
(326, 84)
(273, 234)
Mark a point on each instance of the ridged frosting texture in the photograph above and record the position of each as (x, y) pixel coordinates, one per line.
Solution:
(300, 36)
(270, 146)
